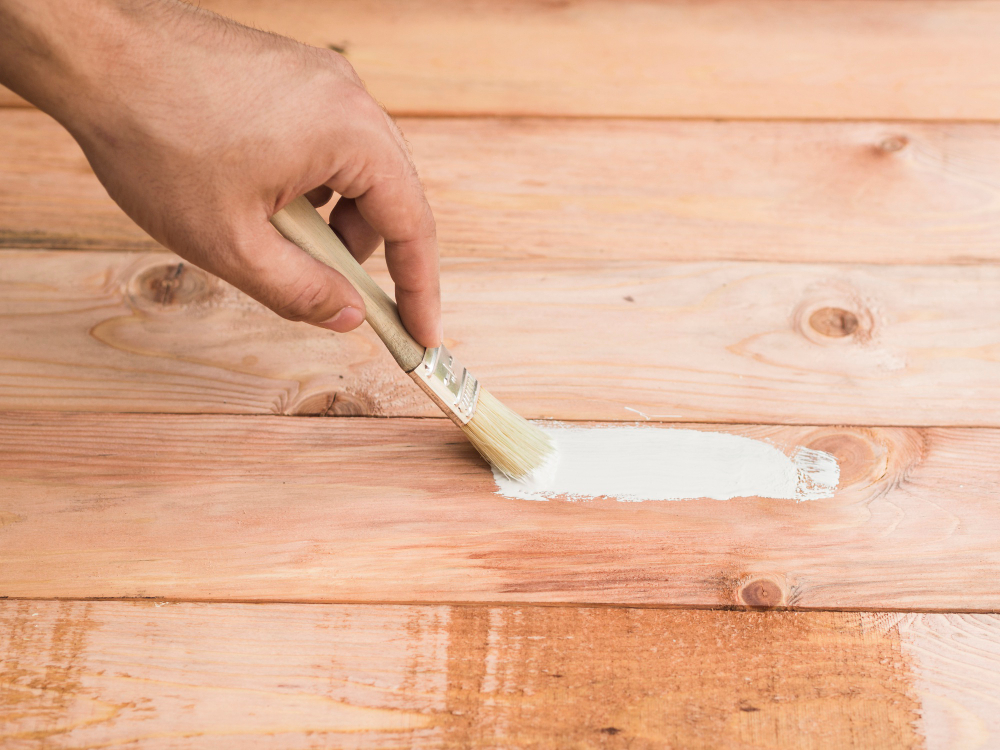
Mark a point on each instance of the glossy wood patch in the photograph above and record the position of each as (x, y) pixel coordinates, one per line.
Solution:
(91, 674)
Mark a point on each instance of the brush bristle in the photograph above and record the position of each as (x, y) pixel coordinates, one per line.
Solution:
(506, 439)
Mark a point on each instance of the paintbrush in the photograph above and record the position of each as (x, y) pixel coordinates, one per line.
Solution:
(504, 438)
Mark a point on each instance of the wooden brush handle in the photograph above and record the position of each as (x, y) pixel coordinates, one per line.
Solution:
(300, 223)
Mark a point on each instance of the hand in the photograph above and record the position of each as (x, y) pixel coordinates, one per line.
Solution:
(201, 129)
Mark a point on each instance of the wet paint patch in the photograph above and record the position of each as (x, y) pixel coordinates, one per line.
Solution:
(634, 464)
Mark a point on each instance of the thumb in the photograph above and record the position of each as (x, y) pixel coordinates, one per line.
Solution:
(282, 277)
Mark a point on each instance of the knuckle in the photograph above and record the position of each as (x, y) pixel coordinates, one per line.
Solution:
(430, 224)
(366, 107)
(341, 65)
(305, 301)
(422, 218)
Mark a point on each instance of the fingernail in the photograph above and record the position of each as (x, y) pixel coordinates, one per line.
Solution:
(347, 319)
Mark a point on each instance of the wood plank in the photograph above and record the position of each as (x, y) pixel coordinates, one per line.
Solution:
(260, 508)
(158, 674)
(843, 192)
(708, 342)
(921, 59)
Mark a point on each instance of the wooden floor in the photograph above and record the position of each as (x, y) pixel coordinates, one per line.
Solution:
(773, 218)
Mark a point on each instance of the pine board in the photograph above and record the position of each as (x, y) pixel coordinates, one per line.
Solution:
(921, 59)
(561, 189)
(94, 674)
(708, 342)
(292, 509)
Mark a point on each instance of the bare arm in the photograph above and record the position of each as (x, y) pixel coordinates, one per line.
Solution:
(201, 129)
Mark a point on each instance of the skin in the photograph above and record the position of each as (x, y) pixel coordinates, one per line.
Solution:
(201, 129)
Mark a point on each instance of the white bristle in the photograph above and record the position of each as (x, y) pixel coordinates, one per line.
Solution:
(506, 439)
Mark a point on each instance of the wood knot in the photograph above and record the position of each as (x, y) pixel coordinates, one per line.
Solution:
(171, 286)
(834, 315)
(761, 592)
(339, 404)
(893, 143)
(862, 461)
(834, 322)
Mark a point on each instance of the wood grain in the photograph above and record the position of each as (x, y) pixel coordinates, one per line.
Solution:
(94, 674)
(709, 342)
(922, 59)
(262, 508)
(841, 192)
(561, 189)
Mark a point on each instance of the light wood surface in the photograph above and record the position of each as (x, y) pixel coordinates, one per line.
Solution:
(162, 674)
(561, 189)
(922, 59)
(715, 342)
(713, 212)
(266, 508)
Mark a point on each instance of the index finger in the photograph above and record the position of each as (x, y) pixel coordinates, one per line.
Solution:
(395, 206)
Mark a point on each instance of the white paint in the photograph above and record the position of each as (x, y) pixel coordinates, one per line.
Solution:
(641, 463)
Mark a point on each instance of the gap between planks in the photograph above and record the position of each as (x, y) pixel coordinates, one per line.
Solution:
(500, 604)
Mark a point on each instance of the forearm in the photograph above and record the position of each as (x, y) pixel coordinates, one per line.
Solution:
(49, 49)
(78, 59)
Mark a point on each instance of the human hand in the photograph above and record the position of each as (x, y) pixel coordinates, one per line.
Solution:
(202, 129)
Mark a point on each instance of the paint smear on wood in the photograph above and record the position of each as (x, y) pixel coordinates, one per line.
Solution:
(633, 464)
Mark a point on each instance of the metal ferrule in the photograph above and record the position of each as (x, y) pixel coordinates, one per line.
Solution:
(457, 388)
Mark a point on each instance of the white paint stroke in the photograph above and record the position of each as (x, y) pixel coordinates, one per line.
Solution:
(634, 463)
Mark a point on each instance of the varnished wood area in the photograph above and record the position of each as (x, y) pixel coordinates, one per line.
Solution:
(585, 189)
(159, 674)
(919, 59)
(404, 510)
(711, 342)
(956, 658)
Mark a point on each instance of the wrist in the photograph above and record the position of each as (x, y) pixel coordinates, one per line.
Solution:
(64, 56)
